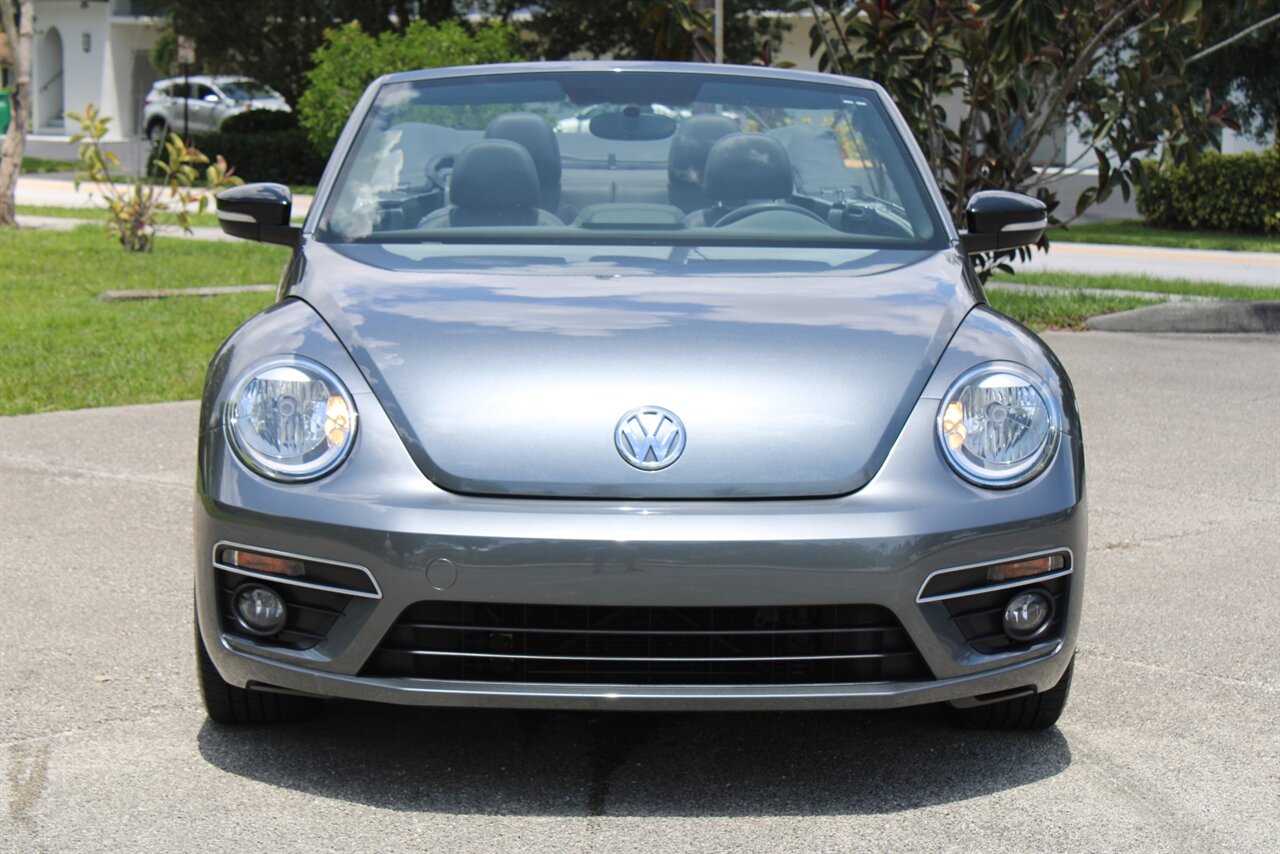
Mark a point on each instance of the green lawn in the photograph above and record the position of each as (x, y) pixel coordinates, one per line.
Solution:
(1148, 284)
(1066, 311)
(1136, 233)
(37, 165)
(62, 348)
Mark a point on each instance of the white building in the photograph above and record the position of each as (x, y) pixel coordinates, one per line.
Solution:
(92, 52)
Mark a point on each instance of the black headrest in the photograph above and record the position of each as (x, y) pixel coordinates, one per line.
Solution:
(494, 175)
(692, 142)
(537, 137)
(747, 166)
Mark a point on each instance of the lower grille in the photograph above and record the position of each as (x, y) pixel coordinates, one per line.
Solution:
(592, 644)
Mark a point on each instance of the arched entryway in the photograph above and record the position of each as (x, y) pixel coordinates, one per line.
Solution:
(49, 82)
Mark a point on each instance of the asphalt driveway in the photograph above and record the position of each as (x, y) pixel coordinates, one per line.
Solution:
(1171, 740)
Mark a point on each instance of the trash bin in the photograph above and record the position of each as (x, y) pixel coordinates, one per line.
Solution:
(4, 110)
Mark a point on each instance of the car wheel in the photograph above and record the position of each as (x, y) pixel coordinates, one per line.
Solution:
(227, 704)
(155, 132)
(1027, 714)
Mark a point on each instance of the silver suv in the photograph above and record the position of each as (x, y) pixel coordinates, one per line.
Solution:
(209, 101)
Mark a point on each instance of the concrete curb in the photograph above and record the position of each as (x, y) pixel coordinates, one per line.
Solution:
(1217, 317)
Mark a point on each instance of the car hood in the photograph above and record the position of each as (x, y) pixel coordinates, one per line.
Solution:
(514, 382)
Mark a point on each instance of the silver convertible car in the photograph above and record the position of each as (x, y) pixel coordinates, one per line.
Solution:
(698, 406)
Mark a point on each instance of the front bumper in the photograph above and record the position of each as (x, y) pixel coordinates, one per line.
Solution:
(874, 547)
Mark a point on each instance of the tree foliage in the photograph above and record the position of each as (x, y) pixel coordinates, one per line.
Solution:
(273, 40)
(1240, 71)
(642, 29)
(1015, 74)
(350, 59)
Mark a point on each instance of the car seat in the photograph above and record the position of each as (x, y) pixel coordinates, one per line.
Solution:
(537, 137)
(494, 182)
(687, 159)
(742, 169)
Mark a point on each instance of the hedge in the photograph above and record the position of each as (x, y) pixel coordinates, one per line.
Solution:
(265, 145)
(1219, 192)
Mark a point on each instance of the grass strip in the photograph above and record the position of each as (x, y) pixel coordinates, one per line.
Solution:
(1147, 284)
(1127, 232)
(62, 348)
(1068, 311)
(44, 165)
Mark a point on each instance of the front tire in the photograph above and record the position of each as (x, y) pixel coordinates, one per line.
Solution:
(227, 704)
(1021, 714)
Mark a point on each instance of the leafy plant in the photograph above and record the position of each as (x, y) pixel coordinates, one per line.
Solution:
(350, 59)
(1019, 77)
(1225, 192)
(133, 207)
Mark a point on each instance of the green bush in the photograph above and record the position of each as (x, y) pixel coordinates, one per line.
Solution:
(286, 156)
(1219, 192)
(350, 59)
(260, 121)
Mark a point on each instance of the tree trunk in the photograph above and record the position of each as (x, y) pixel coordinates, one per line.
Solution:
(15, 139)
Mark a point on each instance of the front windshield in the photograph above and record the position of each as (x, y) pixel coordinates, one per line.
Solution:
(248, 90)
(736, 167)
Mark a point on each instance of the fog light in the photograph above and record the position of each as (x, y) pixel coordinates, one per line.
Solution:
(1027, 614)
(259, 609)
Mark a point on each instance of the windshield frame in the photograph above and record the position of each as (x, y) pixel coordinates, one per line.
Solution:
(897, 132)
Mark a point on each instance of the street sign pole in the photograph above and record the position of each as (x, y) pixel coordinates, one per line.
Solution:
(186, 56)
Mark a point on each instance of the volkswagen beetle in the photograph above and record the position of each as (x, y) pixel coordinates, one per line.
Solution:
(699, 406)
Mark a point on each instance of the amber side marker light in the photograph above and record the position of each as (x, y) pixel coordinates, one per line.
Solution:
(1026, 568)
(271, 564)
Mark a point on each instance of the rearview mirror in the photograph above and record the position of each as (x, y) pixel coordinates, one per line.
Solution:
(997, 221)
(258, 212)
(632, 124)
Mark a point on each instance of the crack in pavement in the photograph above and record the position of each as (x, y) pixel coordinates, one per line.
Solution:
(42, 466)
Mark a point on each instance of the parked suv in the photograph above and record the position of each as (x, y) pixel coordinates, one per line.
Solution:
(209, 102)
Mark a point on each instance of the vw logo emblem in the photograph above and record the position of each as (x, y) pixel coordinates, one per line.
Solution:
(650, 438)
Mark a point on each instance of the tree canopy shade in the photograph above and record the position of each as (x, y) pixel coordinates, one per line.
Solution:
(1110, 70)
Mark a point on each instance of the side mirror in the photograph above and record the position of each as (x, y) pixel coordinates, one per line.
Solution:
(212, 98)
(997, 221)
(258, 212)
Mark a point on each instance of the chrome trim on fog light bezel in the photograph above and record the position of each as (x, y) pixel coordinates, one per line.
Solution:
(281, 579)
(1003, 585)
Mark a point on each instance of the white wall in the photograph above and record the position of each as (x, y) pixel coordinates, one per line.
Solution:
(101, 75)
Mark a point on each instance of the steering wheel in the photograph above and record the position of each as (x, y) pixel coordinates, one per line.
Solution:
(739, 214)
(438, 170)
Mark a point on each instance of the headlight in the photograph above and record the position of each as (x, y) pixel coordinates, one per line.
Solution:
(999, 425)
(289, 418)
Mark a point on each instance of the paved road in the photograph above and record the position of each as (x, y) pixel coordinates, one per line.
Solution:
(1171, 740)
(1258, 269)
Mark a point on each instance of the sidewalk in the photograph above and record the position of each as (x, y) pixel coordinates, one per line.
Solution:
(1253, 269)
(62, 193)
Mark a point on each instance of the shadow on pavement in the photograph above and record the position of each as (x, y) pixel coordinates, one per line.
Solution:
(629, 764)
